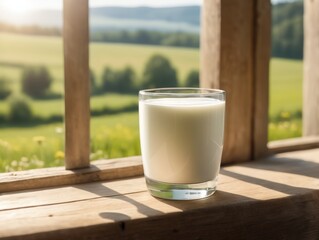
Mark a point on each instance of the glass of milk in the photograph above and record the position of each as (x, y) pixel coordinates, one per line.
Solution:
(181, 133)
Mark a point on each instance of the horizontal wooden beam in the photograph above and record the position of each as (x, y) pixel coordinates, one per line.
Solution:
(293, 144)
(99, 171)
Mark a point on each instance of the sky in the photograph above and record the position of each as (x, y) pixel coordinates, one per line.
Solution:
(20, 6)
(26, 5)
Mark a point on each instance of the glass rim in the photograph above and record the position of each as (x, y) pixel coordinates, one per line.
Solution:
(181, 91)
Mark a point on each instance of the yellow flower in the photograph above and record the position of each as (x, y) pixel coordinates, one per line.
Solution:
(59, 155)
(285, 115)
(4, 144)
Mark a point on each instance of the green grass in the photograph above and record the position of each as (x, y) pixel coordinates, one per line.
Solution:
(285, 85)
(43, 146)
(285, 99)
(47, 108)
(115, 135)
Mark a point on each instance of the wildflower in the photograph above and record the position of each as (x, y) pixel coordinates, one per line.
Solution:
(14, 163)
(38, 163)
(24, 163)
(39, 139)
(285, 115)
(59, 155)
(59, 130)
(4, 144)
(272, 125)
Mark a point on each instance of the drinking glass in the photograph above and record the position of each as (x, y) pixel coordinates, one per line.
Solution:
(181, 133)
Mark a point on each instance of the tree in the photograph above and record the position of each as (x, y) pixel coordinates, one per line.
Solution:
(192, 79)
(93, 84)
(287, 30)
(120, 81)
(19, 109)
(125, 80)
(5, 91)
(108, 80)
(36, 81)
(159, 73)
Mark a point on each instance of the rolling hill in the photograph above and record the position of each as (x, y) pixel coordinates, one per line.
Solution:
(185, 18)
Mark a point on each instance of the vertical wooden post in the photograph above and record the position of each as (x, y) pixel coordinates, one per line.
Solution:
(232, 59)
(311, 72)
(77, 90)
(262, 55)
(226, 63)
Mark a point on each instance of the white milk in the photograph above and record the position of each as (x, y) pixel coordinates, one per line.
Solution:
(181, 138)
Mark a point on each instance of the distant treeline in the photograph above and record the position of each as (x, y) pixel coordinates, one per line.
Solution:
(32, 30)
(177, 39)
(287, 33)
(287, 30)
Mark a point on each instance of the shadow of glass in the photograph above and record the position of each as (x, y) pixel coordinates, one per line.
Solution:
(114, 216)
(287, 165)
(100, 190)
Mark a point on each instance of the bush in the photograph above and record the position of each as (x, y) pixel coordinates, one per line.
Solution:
(192, 79)
(5, 91)
(93, 85)
(125, 80)
(19, 109)
(159, 73)
(108, 79)
(121, 81)
(36, 81)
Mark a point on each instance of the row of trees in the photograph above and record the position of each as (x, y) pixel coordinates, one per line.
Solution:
(37, 81)
(158, 72)
(287, 30)
(177, 39)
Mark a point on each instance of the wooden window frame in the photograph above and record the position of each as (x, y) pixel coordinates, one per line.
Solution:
(279, 193)
(235, 57)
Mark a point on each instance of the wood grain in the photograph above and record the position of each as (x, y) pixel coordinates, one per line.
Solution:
(77, 86)
(293, 144)
(227, 63)
(58, 176)
(310, 110)
(262, 29)
(278, 198)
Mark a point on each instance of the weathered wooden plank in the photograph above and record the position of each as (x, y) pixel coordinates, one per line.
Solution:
(293, 144)
(262, 28)
(310, 108)
(77, 87)
(227, 62)
(280, 193)
(86, 191)
(58, 176)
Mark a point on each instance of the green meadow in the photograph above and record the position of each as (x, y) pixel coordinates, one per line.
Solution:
(23, 147)
(21, 50)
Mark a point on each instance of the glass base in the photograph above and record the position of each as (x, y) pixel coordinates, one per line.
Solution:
(181, 191)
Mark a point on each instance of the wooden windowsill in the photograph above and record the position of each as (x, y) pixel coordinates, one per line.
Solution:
(274, 198)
